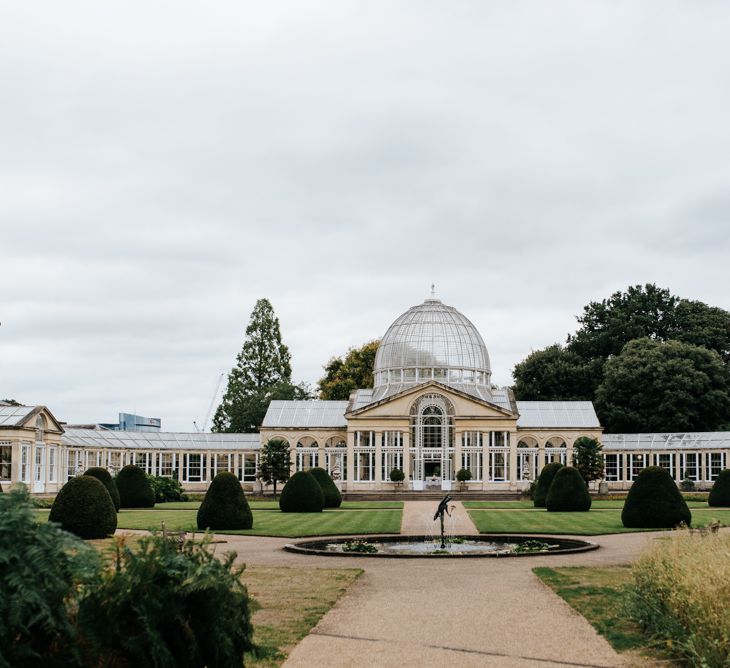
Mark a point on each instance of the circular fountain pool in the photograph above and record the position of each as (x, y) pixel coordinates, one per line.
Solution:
(496, 545)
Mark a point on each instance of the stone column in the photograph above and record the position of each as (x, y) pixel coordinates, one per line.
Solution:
(350, 458)
(378, 458)
(511, 437)
(486, 444)
(407, 457)
(458, 435)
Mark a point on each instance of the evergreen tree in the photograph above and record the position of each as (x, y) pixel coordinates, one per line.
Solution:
(354, 371)
(588, 458)
(274, 462)
(263, 363)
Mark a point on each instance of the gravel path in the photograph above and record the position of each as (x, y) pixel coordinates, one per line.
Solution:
(418, 519)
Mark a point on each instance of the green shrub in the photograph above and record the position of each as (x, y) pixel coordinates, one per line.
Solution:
(396, 475)
(103, 476)
(463, 475)
(568, 492)
(166, 489)
(687, 484)
(720, 492)
(225, 505)
(161, 605)
(544, 481)
(84, 507)
(332, 496)
(302, 494)
(135, 490)
(42, 569)
(680, 596)
(654, 502)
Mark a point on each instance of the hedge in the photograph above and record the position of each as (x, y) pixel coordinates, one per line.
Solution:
(655, 502)
(84, 507)
(105, 478)
(544, 481)
(720, 492)
(332, 496)
(302, 494)
(224, 506)
(568, 492)
(135, 490)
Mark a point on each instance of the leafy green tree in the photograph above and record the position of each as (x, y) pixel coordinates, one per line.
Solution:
(664, 386)
(554, 374)
(263, 363)
(274, 462)
(348, 373)
(703, 325)
(588, 458)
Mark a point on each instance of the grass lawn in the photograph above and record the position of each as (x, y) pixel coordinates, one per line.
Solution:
(599, 595)
(598, 504)
(271, 522)
(592, 523)
(274, 505)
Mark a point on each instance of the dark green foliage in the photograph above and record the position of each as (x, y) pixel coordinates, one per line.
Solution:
(166, 489)
(302, 494)
(655, 502)
(274, 462)
(162, 607)
(84, 507)
(103, 476)
(332, 496)
(134, 488)
(354, 371)
(544, 480)
(397, 475)
(568, 492)
(655, 386)
(588, 458)
(720, 492)
(555, 373)
(225, 505)
(41, 568)
(463, 475)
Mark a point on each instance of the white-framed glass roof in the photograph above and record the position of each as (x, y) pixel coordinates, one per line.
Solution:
(305, 413)
(549, 414)
(165, 440)
(705, 440)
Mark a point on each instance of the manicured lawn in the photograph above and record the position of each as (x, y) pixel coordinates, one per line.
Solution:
(274, 505)
(271, 522)
(598, 504)
(592, 523)
(599, 595)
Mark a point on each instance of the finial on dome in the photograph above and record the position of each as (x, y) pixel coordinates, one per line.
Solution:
(433, 291)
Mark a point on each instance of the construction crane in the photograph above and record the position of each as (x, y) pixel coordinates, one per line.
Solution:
(210, 406)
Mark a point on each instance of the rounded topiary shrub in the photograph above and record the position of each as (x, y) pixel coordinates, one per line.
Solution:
(301, 494)
(544, 480)
(397, 475)
(84, 507)
(332, 496)
(105, 478)
(720, 492)
(135, 490)
(568, 492)
(655, 502)
(225, 505)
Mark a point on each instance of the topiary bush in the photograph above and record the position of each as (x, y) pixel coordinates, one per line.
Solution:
(463, 475)
(166, 489)
(655, 502)
(720, 492)
(397, 475)
(301, 494)
(135, 490)
(105, 478)
(544, 481)
(224, 506)
(84, 507)
(568, 492)
(332, 496)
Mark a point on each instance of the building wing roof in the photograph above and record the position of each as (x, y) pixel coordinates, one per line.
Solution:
(12, 416)
(312, 413)
(164, 440)
(705, 440)
(555, 414)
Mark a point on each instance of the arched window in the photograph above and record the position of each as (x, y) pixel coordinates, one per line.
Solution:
(40, 427)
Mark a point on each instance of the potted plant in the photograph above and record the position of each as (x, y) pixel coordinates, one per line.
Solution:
(397, 476)
(463, 476)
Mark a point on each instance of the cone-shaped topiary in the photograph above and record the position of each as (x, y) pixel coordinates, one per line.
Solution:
(332, 496)
(568, 492)
(544, 480)
(105, 478)
(135, 490)
(655, 502)
(84, 507)
(720, 492)
(225, 505)
(301, 494)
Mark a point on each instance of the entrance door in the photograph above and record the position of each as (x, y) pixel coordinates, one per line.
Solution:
(39, 470)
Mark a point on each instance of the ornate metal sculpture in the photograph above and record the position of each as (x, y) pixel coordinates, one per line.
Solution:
(443, 509)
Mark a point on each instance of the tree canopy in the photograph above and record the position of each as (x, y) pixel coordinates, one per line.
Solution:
(348, 373)
(664, 386)
(274, 462)
(588, 458)
(554, 374)
(262, 373)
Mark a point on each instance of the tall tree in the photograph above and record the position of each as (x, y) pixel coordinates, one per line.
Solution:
(554, 374)
(588, 458)
(354, 371)
(274, 462)
(263, 364)
(664, 386)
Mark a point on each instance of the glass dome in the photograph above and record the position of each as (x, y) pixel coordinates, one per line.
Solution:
(432, 341)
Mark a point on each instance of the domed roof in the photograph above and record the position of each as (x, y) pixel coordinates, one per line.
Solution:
(432, 341)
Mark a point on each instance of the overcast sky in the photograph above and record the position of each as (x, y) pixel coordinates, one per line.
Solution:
(163, 165)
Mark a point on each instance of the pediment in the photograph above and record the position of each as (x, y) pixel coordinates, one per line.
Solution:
(400, 404)
(29, 421)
